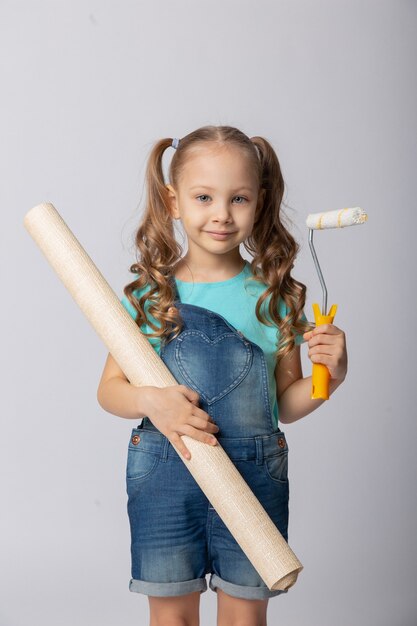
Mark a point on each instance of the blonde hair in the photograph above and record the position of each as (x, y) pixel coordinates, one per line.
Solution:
(271, 245)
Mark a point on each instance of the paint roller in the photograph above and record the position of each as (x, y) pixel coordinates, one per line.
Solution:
(319, 221)
(210, 466)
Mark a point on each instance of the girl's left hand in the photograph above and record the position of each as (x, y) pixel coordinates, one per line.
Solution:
(327, 345)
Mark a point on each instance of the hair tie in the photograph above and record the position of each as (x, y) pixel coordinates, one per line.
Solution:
(175, 143)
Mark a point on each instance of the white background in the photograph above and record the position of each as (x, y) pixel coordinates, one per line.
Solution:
(87, 88)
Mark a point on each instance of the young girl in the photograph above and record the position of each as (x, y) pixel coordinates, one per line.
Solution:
(229, 330)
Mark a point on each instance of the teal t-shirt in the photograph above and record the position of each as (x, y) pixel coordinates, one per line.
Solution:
(235, 299)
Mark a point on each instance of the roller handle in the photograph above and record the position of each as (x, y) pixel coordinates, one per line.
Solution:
(321, 375)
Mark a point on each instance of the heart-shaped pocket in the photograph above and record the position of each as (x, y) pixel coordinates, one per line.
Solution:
(213, 368)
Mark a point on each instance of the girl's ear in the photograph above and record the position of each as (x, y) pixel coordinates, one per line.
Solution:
(172, 202)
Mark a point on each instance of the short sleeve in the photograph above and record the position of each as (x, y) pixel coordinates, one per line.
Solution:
(129, 307)
(299, 339)
(137, 293)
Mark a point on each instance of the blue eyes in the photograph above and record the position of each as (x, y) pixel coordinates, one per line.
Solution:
(206, 196)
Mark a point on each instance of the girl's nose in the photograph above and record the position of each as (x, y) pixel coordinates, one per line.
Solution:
(221, 211)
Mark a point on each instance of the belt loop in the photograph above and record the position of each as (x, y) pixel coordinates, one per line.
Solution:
(259, 450)
(164, 448)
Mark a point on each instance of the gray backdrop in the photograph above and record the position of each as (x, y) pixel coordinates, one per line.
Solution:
(87, 87)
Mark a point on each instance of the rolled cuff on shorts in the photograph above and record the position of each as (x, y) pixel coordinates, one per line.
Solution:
(243, 591)
(168, 589)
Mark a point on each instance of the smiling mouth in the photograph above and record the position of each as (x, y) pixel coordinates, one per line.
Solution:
(219, 232)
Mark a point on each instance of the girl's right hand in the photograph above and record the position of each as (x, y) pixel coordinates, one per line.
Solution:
(174, 412)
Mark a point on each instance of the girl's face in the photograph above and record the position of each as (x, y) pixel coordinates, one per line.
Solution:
(217, 193)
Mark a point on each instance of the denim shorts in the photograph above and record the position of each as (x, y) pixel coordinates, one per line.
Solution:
(177, 537)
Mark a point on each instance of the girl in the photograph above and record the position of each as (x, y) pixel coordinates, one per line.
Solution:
(229, 330)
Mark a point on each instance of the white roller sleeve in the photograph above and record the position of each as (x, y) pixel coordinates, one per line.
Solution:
(336, 219)
(210, 466)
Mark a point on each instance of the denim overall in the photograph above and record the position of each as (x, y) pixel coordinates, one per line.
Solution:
(176, 535)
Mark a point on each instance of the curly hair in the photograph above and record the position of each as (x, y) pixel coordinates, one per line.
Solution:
(271, 245)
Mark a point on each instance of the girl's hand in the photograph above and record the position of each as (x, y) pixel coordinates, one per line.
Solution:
(327, 345)
(174, 412)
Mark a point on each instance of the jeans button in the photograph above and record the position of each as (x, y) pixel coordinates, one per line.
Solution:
(135, 440)
(281, 442)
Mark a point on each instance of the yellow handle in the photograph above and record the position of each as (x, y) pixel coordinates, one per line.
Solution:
(321, 375)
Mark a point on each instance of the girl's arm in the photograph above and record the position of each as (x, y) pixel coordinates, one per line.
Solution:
(327, 345)
(117, 395)
(173, 409)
